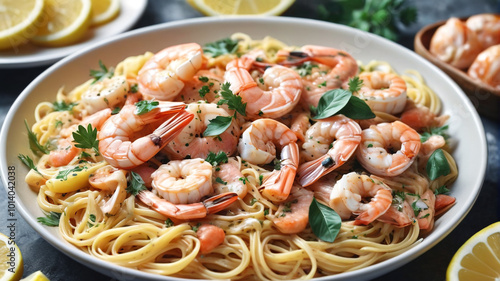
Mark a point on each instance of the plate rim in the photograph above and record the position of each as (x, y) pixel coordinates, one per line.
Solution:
(105, 267)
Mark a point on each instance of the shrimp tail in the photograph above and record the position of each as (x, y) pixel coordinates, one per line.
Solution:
(278, 185)
(380, 203)
(311, 171)
(219, 202)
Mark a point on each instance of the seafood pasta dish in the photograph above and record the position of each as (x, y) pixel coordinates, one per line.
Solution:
(242, 159)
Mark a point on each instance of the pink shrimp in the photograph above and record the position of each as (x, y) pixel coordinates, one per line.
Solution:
(258, 146)
(348, 194)
(383, 91)
(231, 177)
(334, 69)
(164, 75)
(420, 117)
(210, 237)
(455, 43)
(113, 180)
(486, 67)
(274, 95)
(388, 149)
(292, 216)
(424, 208)
(486, 27)
(443, 203)
(400, 215)
(114, 137)
(329, 143)
(191, 211)
(203, 86)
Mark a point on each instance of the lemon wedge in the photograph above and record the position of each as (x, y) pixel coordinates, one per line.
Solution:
(67, 22)
(36, 276)
(478, 258)
(104, 11)
(11, 261)
(19, 21)
(241, 7)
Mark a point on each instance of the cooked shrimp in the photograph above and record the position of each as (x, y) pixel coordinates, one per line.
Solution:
(114, 137)
(108, 93)
(258, 146)
(443, 203)
(322, 188)
(455, 43)
(164, 75)
(300, 125)
(420, 117)
(329, 143)
(112, 180)
(274, 95)
(486, 27)
(210, 237)
(383, 91)
(334, 69)
(486, 67)
(292, 216)
(191, 142)
(424, 208)
(183, 181)
(400, 215)
(232, 179)
(388, 149)
(198, 210)
(349, 192)
(203, 86)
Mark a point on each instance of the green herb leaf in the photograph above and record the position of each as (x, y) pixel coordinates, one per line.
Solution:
(355, 84)
(324, 221)
(357, 109)
(145, 106)
(63, 106)
(306, 68)
(101, 73)
(217, 126)
(331, 102)
(196, 227)
(437, 165)
(136, 184)
(219, 180)
(441, 190)
(216, 159)
(203, 91)
(28, 162)
(86, 138)
(35, 146)
(221, 47)
(50, 219)
(134, 88)
(169, 223)
(233, 102)
(63, 174)
(441, 131)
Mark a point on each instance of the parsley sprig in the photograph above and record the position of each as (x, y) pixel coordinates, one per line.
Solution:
(86, 138)
(135, 184)
(50, 219)
(145, 106)
(216, 159)
(63, 106)
(221, 47)
(35, 146)
(101, 73)
(28, 162)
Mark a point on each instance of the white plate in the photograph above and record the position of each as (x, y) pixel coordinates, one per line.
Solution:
(31, 55)
(465, 125)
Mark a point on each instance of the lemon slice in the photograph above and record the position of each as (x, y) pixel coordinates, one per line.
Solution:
(68, 21)
(241, 7)
(104, 11)
(36, 276)
(478, 258)
(11, 261)
(19, 21)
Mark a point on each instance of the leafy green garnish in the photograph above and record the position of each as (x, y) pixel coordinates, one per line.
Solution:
(340, 101)
(203, 91)
(233, 102)
(92, 218)
(355, 84)
(28, 162)
(217, 126)
(324, 221)
(306, 68)
(169, 223)
(134, 88)
(441, 190)
(145, 106)
(101, 73)
(35, 146)
(216, 159)
(357, 108)
(219, 180)
(203, 79)
(50, 219)
(63, 174)
(86, 138)
(379, 17)
(136, 184)
(63, 106)
(440, 131)
(437, 165)
(196, 227)
(221, 47)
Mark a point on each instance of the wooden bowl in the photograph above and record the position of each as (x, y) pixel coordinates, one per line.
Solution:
(485, 98)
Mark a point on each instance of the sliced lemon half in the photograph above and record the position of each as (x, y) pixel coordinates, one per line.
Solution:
(241, 7)
(36, 276)
(104, 11)
(478, 258)
(11, 260)
(19, 21)
(67, 21)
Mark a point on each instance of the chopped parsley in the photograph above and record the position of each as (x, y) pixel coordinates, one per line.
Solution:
(306, 68)
(135, 184)
(63, 174)
(355, 84)
(221, 47)
(216, 159)
(63, 106)
(233, 102)
(50, 219)
(219, 180)
(101, 73)
(169, 223)
(145, 106)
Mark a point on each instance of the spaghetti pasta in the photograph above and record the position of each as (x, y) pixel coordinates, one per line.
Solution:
(141, 237)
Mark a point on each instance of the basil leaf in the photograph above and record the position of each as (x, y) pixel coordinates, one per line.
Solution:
(136, 184)
(217, 126)
(437, 165)
(357, 109)
(331, 102)
(324, 221)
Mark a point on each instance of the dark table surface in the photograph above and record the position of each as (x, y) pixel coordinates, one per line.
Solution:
(39, 255)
